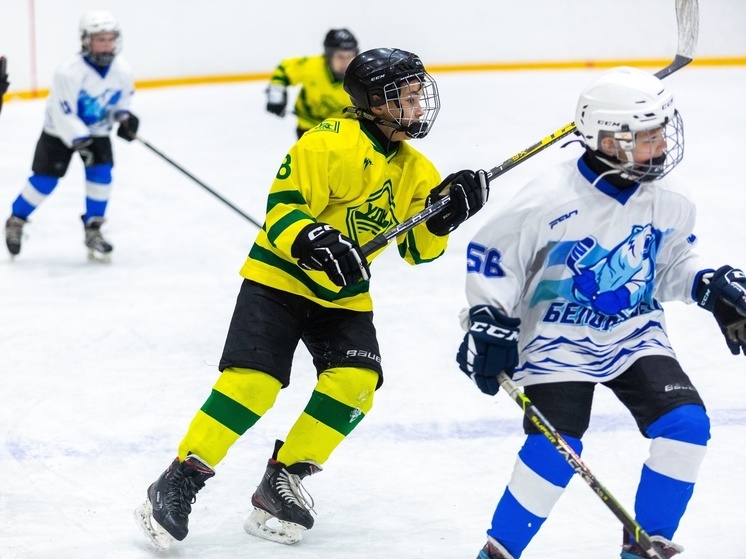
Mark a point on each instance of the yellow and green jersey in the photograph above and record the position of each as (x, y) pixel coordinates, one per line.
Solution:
(339, 173)
(321, 96)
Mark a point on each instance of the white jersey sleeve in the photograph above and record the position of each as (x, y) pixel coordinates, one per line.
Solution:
(82, 102)
(585, 267)
(678, 263)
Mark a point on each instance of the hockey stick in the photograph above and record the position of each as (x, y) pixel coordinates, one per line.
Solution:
(199, 182)
(567, 452)
(687, 22)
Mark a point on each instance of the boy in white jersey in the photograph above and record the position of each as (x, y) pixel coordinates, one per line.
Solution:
(307, 279)
(90, 91)
(581, 259)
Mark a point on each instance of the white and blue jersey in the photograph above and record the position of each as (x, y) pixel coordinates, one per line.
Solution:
(585, 266)
(84, 99)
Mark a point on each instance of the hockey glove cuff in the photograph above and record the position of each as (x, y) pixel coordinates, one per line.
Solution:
(467, 190)
(320, 247)
(277, 100)
(489, 347)
(128, 125)
(723, 293)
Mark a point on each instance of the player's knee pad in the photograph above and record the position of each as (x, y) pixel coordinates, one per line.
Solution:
(688, 424)
(351, 386)
(254, 390)
(44, 184)
(341, 399)
(99, 174)
(679, 443)
(539, 455)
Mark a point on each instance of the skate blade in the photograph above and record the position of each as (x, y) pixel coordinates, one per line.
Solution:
(161, 539)
(287, 532)
(101, 257)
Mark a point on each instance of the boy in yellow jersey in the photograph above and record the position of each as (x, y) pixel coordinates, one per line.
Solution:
(321, 94)
(307, 279)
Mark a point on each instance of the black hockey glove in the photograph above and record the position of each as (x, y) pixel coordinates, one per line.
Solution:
(319, 246)
(128, 125)
(468, 191)
(723, 293)
(489, 347)
(277, 100)
(81, 145)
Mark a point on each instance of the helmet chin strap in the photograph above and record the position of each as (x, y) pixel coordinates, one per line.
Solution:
(636, 173)
(414, 130)
(360, 113)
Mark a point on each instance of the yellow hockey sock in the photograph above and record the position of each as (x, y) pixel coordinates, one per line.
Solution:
(339, 402)
(237, 401)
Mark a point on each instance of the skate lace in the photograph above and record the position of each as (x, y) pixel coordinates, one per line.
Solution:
(93, 235)
(182, 492)
(291, 489)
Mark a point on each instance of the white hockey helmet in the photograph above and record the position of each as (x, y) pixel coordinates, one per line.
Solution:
(621, 103)
(94, 22)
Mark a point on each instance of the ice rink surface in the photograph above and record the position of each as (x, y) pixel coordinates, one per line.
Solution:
(103, 366)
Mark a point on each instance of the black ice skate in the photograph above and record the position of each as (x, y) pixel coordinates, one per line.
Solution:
(281, 499)
(99, 249)
(13, 234)
(633, 550)
(494, 550)
(164, 516)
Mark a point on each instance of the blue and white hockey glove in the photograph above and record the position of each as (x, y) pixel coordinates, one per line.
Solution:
(489, 347)
(723, 293)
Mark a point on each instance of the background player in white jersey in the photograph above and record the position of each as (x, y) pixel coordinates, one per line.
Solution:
(307, 279)
(90, 91)
(581, 259)
(320, 77)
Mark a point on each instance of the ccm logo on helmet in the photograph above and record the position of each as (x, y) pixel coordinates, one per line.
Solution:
(608, 123)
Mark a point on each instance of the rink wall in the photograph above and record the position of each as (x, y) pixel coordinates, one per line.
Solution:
(171, 42)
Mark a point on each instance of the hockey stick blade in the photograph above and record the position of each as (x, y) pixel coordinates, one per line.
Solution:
(555, 438)
(687, 24)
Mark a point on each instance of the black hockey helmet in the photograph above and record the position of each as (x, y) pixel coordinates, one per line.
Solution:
(374, 78)
(339, 39)
(370, 71)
